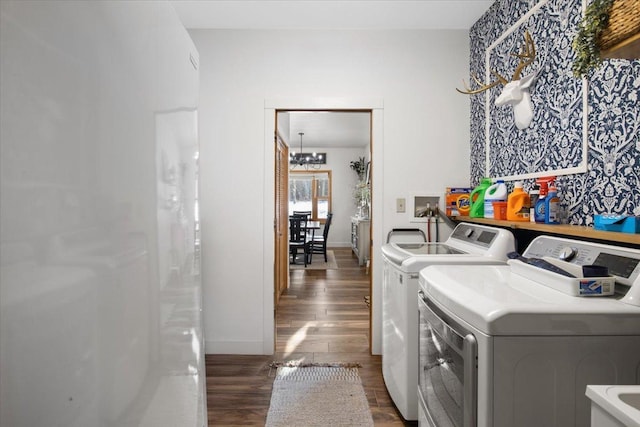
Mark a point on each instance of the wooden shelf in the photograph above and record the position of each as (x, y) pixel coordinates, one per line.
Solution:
(561, 229)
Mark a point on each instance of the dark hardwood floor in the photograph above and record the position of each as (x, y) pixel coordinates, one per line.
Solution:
(322, 317)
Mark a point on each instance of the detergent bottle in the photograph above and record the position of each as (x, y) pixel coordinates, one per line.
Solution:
(477, 199)
(552, 207)
(541, 204)
(518, 204)
(495, 193)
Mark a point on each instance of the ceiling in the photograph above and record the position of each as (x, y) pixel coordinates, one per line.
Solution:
(330, 129)
(330, 14)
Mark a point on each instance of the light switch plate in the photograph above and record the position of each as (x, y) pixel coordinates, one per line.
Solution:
(401, 205)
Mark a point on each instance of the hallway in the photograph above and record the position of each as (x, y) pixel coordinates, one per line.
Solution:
(321, 318)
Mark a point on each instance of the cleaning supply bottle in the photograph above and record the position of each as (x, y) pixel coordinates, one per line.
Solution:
(477, 199)
(518, 204)
(534, 194)
(495, 193)
(541, 204)
(552, 206)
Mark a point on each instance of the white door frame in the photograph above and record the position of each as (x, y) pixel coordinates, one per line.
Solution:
(377, 140)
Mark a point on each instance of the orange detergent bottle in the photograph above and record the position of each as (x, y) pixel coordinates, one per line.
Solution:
(518, 204)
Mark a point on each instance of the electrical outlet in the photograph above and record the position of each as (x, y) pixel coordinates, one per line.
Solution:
(401, 205)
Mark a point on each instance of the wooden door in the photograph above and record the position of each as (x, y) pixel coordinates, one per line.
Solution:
(281, 270)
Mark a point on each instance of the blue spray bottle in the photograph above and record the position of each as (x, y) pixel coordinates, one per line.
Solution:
(552, 206)
(540, 207)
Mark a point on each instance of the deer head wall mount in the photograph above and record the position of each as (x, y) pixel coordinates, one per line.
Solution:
(516, 90)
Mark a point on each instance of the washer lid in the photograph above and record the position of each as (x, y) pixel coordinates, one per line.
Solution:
(497, 302)
(441, 255)
(467, 243)
(400, 252)
(428, 248)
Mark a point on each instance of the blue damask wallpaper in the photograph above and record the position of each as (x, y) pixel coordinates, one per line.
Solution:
(554, 138)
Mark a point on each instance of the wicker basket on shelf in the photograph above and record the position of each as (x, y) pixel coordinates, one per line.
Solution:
(624, 24)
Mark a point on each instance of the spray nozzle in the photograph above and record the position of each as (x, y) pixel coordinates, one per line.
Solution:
(544, 183)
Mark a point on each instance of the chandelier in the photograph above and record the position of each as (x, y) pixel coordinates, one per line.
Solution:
(307, 160)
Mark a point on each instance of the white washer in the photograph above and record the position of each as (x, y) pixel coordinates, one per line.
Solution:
(468, 244)
(501, 349)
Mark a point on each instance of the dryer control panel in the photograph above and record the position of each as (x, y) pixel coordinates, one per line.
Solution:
(624, 263)
(474, 234)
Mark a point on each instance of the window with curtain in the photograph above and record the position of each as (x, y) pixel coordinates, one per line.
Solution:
(310, 191)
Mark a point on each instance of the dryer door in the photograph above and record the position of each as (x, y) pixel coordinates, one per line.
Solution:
(447, 382)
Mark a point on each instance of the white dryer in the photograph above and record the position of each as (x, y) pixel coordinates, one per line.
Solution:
(512, 345)
(468, 244)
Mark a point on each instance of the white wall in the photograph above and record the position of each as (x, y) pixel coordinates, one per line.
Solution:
(343, 181)
(92, 331)
(423, 147)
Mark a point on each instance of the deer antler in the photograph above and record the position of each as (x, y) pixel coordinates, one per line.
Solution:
(483, 87)
(526, 58)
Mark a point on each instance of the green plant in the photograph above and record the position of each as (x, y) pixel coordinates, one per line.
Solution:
(585, 43)
(359, 166)
(362, 190)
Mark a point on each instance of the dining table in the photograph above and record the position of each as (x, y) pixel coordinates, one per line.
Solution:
(313, 226)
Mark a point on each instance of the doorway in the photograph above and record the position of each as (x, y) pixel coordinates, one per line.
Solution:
(343, 137)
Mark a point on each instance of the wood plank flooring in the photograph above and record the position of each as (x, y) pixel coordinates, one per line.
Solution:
(322, 317)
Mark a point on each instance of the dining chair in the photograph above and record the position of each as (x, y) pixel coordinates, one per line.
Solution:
(305, 213)
(298, 238)
(318, 245)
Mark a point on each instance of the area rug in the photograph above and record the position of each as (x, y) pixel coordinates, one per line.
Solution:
(318, 395)
(317, 262)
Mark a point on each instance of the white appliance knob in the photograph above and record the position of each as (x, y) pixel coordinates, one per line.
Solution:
(468, 233)
(567, 253)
